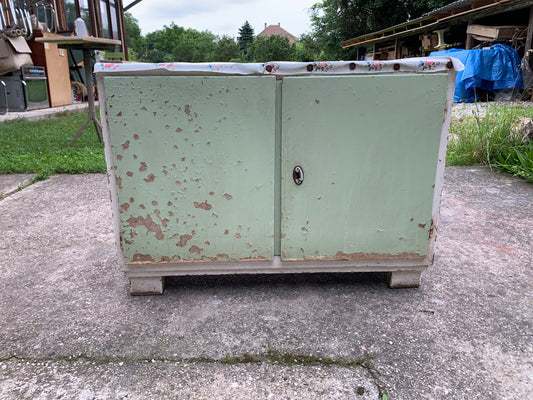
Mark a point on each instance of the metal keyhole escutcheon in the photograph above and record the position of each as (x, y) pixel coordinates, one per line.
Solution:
(298, 175)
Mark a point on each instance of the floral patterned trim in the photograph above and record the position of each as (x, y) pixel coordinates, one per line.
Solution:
(169, 66)
(270, 67)
(108, 66)
(374, 65)
(429, 64)
(285, 68)
(323, 66)
(219, 67)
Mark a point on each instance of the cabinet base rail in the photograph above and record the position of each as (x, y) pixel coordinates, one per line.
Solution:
(149, 279)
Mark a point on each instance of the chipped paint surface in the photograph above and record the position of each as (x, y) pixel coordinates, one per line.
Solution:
(194, 165)
(198, 162)
(369, 162)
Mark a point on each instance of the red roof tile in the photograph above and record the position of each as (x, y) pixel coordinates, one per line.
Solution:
(272, 30)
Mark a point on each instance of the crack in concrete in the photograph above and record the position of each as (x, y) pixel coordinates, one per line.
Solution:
(33, 180)
(270, 357)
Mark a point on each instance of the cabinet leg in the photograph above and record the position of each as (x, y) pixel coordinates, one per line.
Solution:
(146, 286)
(404, 279)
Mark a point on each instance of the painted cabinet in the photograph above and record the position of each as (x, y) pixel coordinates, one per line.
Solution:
(214, 173)
(369, 165)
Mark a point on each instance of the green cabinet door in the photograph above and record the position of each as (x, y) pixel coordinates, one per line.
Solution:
(194, 164)
(368, 147)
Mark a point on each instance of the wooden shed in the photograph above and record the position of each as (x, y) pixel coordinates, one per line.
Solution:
(461, 24)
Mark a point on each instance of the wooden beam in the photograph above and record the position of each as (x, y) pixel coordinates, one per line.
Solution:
(131, 5)
(529, 31)
(469, 41)
(529, 42)
(434, 21)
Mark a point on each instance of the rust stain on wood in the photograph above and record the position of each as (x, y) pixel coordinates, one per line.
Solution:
(204, 206)
(150, 178)
(183, 240)
(142, 258)
(195, 249)
(341, 256)
(148, 223)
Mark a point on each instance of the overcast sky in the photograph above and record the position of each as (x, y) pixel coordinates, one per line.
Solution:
(223, 17)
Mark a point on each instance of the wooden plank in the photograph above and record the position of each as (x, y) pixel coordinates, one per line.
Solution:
(485, 32)
(529, 32)
(81, 42)
(55, 61)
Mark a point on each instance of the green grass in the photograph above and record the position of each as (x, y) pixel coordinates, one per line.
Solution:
(41, 147)
(491, 139)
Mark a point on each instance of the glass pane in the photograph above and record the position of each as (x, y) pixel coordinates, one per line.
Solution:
(114, 24)
(105, 21)
(84, 11)
(70, 8)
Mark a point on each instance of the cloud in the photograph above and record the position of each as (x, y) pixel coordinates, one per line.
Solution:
(223, 17)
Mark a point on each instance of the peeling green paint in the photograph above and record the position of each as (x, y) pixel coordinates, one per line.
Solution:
(194, 163)
(368, 146)
(204, 166)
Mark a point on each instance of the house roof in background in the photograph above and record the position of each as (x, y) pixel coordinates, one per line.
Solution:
(272, 30)
(458, 10)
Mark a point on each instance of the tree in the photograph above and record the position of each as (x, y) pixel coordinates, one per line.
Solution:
(134, 39)
(246, 37)
(160, 44)
(226, 50)
(335, 21)
(194, 46)
(271, 48)
(307, 48)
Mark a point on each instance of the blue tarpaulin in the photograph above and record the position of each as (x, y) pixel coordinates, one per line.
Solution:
(487, 69)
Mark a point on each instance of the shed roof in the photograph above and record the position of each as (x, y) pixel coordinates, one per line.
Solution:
(458, 10)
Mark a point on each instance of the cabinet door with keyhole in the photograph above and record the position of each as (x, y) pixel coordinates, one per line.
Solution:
(359, 155)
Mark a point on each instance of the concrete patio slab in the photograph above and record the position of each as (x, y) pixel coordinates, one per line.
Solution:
(69, 328)
(13, 182)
